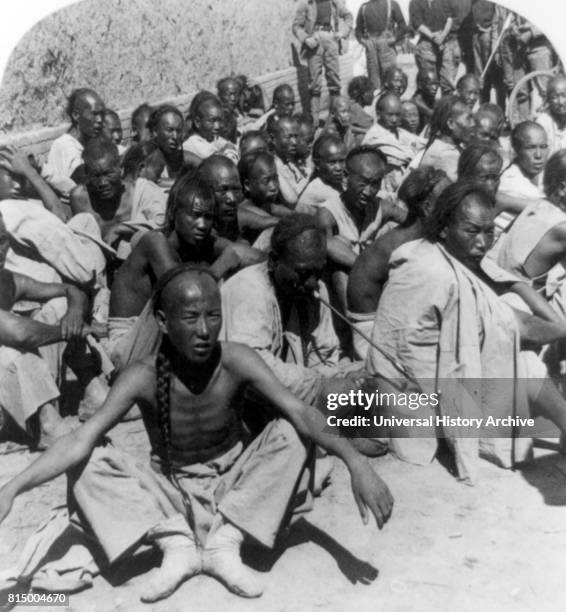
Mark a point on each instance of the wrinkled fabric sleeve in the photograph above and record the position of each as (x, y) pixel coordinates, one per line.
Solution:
(253, 322)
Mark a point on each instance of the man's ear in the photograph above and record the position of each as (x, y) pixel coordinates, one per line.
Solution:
(140, 169)
(161, 323)
(450, 124)
(427, 207)
(75, 116)
(443, 234)
(247, 186)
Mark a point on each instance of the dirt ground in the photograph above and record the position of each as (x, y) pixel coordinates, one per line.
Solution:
(496, 546)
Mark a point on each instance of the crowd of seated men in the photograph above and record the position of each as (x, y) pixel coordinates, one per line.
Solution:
(409, 241)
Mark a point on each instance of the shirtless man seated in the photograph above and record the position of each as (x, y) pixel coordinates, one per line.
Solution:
(186, 237)
(187, 396)
(419, 191)
(352, 219)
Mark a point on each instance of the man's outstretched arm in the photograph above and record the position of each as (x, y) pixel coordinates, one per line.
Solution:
(368, 488)
(136, 383)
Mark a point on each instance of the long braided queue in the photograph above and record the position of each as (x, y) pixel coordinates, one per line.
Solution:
(163, 389)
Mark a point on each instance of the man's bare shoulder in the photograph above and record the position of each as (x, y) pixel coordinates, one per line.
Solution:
(153, 237)
(398, 236)
(141, 377)
(380, 251)
(151, 242)
(239, 359)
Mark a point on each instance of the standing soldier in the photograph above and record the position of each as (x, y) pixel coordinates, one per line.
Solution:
(321, 26)
(438, 47)
(379, 26)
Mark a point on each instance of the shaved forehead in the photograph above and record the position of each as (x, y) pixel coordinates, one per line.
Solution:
(285, 122)
(408, 104)
(98, 149)
(208, 105)
(188, 287)
(366, 161)
(283, 91)
(228, 82)
(325, 143)
(388, 102)
(216, 165)
(87, 98)
(527, 130)
(262, 163)
(473, 208)
(468, 79)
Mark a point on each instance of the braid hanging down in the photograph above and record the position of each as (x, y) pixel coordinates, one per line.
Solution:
(163, 368)
(164, 373)
(162, 397)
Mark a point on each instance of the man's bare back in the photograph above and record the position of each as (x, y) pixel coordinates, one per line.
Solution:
(154, 254)
(370, 271)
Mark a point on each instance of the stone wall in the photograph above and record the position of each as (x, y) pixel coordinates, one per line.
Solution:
(136, 50)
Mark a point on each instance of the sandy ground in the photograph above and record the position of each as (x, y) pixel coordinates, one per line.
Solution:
(496, 546)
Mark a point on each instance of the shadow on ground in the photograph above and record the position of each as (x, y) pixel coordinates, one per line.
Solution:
(354, 569)
(548, 475)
